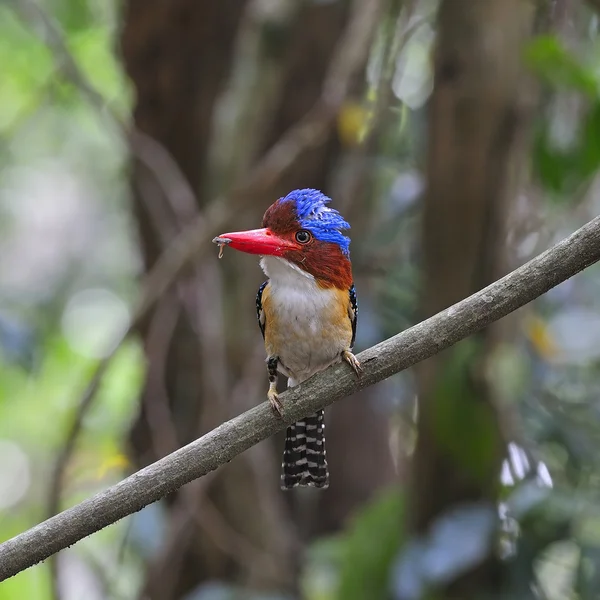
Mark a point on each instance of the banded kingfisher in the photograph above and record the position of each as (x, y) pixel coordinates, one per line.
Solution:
(307, 312)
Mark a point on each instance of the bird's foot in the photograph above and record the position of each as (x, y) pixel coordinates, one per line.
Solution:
(353, 362)
(276, 404)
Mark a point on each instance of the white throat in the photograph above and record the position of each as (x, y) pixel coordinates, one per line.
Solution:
(283, 273)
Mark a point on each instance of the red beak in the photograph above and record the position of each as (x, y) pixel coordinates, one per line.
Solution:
(256, 241)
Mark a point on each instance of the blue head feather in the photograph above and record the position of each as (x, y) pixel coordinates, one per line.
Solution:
(314, 215)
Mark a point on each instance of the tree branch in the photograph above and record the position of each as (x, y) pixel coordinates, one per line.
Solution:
(565, 259)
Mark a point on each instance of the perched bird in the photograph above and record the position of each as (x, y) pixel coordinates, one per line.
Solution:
(307, 312)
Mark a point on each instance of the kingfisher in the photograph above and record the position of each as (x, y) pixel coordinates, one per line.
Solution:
(307, 312)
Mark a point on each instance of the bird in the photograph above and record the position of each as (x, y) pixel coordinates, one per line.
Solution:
(307, 312)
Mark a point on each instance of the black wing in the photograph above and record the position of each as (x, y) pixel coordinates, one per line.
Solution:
(353, 312)
(259, 309)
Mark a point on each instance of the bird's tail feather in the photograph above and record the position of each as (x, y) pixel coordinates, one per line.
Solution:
(304, 458)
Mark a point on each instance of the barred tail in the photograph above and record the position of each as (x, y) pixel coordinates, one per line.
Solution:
(304, 458)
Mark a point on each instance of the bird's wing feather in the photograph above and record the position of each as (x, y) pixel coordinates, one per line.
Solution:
(353, 312)
(260, 313)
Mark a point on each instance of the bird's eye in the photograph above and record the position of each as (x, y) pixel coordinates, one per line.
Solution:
(303, 236)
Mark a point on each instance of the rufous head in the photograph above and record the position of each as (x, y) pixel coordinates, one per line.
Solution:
(301, 229)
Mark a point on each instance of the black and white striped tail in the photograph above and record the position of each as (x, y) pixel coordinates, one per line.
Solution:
(304, 460)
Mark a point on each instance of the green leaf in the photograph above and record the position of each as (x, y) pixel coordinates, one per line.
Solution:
(551, 61)
(465, 426)
(369, 547)
(25, 75)
(588, 572)
(563, 170)
(552, 167)
(589, 151)
(93, 50)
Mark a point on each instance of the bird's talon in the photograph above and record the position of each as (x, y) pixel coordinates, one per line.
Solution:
(353, 362)
(276, 404)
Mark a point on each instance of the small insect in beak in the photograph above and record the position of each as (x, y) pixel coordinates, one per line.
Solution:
(221, 242)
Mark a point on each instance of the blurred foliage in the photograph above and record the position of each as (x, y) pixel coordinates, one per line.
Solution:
(463, 427)
(58, 164)
(431, 561)
(369, 547)
(553, 62)
(31, 78)
(564, 164)
(355, 565)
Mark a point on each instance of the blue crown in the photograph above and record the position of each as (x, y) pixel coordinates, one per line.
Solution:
(323, 222)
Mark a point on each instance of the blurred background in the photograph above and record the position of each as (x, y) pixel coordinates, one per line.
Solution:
(126, 125)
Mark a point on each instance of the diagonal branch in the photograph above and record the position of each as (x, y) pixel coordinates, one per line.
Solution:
(562, 261)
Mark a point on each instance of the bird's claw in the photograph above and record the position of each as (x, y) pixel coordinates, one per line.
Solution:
(353, 362)
(276, 404)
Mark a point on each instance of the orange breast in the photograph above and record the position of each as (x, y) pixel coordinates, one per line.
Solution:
(306, 331)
